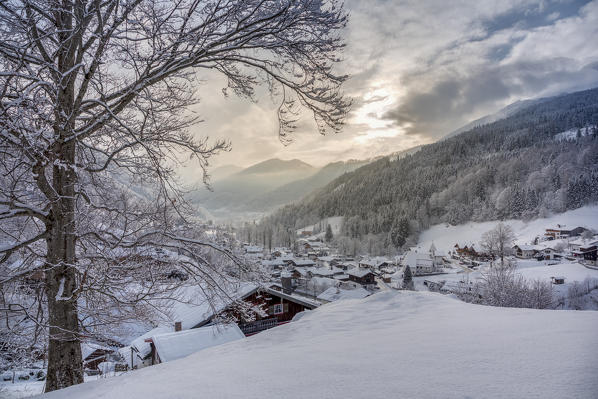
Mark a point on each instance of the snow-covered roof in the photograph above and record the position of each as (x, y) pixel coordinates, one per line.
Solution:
(276, 289)
(341, 276)
(349, 263)
(195, 307)
(337, 294)
(329, 258)
(179, 344)
(273, 262)
(139, 344)
(87, 348)
(375, 262)
(358, 272)
(414, 259)
(321, 271)
(524, 247)
(303, 262)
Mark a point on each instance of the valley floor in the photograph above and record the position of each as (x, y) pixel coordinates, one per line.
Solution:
(390, 345)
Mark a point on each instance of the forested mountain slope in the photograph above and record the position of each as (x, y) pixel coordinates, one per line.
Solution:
(517, 167)
(505, 112)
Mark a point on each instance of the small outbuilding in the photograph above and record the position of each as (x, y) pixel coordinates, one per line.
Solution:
(558, 280)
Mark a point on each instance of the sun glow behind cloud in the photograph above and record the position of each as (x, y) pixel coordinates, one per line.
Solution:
(376, 102)
(419, 70)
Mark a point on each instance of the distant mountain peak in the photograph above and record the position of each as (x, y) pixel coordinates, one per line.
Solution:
(277, 165)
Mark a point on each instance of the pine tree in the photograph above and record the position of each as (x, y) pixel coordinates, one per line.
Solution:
(408, 279)
(328, 236)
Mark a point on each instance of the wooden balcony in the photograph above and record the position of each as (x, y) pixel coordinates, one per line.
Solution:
(257, 326)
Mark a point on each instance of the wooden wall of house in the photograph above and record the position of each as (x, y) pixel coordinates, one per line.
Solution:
(266, 301)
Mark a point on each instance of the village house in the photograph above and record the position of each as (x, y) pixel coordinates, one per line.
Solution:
(467, 250)
(274, 264)
(588, 253)
(347, 265)
(576, 245)
(362, 276)
(558, 280)
(375, 263)
(272, 307)
(561, 232)
(330, 260)
(253, 251)
(549, 253)
(422, 262)
(301, 262)
(255, 309)
(525, 251)
(276, 253)
(436, 255)
(556, 234)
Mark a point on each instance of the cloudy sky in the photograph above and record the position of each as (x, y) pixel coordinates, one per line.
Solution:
(421, 69)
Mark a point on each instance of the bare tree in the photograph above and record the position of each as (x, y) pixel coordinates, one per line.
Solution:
(498, 241)
(502, 286)
(93, 123)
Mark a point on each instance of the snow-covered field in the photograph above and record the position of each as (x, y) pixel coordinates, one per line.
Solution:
(445, 237)
(390, 345)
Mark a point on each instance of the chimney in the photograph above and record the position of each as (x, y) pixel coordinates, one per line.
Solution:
(286, 281)
(178, 326)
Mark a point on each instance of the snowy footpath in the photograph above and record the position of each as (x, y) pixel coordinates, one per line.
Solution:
(389, 345)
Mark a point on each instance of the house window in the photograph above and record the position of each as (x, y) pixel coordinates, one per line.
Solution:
(278, 308)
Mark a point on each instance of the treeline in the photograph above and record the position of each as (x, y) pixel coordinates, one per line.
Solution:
(512, 168)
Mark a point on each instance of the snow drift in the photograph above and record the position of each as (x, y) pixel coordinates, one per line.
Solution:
(389, 345)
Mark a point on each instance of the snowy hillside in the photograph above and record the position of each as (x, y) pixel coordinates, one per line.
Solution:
(573, 134)
(335, 222)
(445, 236)
(392, 344)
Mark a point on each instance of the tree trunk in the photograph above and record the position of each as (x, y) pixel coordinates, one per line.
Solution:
(65, 365)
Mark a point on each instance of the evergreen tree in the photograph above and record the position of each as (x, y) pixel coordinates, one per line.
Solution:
(328, 236)
(408, 279)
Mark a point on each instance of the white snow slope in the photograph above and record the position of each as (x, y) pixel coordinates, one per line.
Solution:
(389, 345)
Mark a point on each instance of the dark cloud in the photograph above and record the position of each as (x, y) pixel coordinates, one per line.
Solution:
(446, 104)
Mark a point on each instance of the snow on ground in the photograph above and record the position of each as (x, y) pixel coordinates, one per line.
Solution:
(27, 389)
(389, 345)
(445, 236)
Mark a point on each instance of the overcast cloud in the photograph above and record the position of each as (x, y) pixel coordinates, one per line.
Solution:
(421, 69)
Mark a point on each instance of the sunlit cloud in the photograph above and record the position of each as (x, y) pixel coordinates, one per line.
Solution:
(419, 70)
